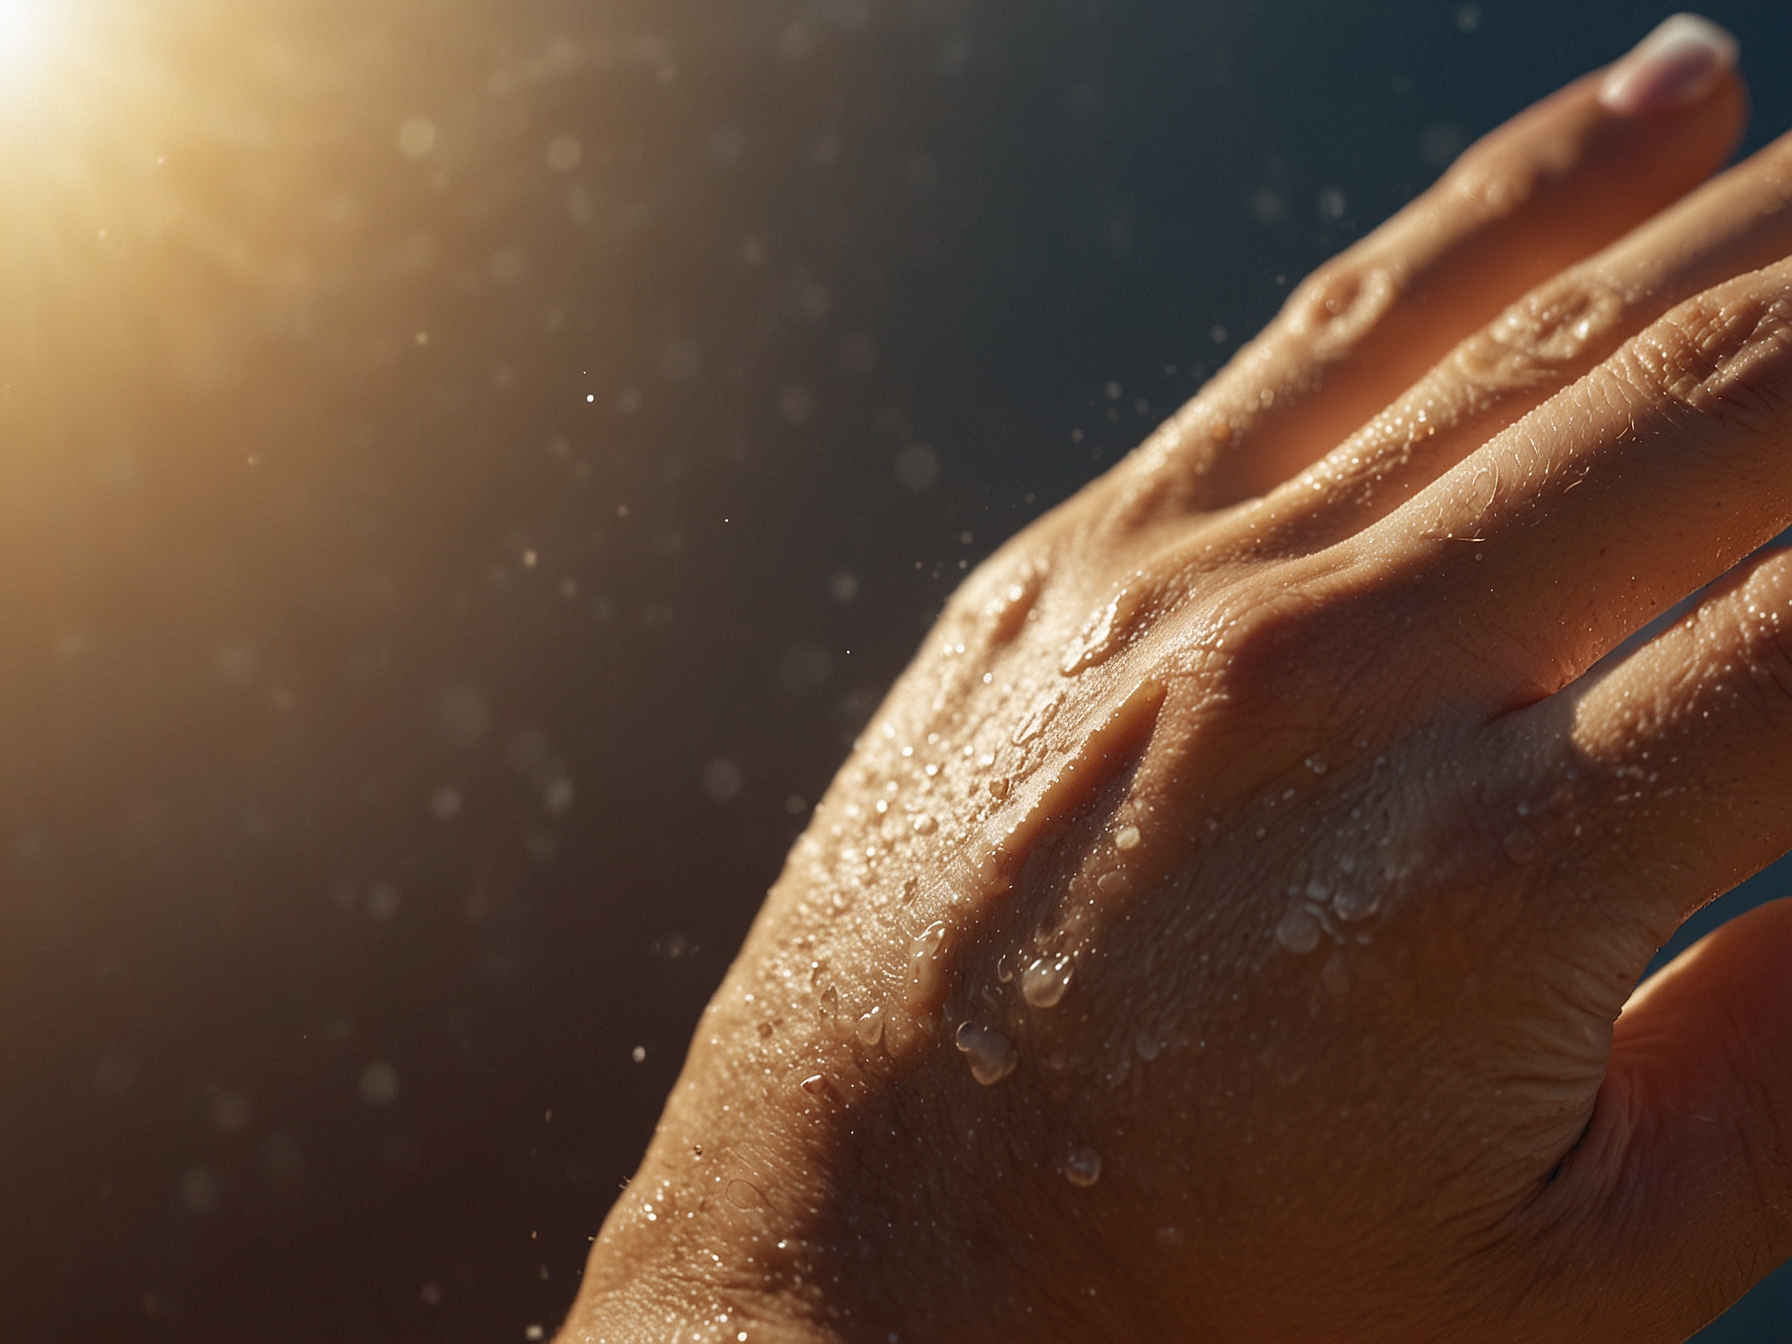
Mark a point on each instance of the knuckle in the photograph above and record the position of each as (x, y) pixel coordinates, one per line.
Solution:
(1339, 304)
(1258, 635)
(1722, 356)
(1302, 647)
(1493, 180)
(1538, 339)
(1764, 610)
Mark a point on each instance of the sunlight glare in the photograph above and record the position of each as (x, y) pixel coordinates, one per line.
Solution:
(24, 35)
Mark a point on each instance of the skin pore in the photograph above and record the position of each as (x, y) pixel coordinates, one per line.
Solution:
(1228, 928)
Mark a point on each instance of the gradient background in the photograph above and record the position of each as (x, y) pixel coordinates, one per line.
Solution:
(466, 471)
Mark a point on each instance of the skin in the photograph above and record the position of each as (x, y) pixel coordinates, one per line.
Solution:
(1229, 928)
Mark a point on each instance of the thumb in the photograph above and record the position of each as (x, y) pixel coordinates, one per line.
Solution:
(1679, 1197)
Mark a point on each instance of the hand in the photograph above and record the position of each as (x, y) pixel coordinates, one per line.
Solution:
(1222, 930)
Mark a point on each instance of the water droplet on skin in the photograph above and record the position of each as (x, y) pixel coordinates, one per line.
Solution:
(991, 1055)
(814, 1085)
(1034, 724)
(1481, 492)
(1111, 884)
(928, 971)
(998, 788)
(870, 1028)
(1352, 905)
(1147, 1045)
(1083, 1167)
(1004, 969)
(743, 1195)
(1298, 931)
(992, 870)
(1044, 982)
(1521, 845)
(1095, 642)
(1316, 764)
(1127, 837)
(924, 825)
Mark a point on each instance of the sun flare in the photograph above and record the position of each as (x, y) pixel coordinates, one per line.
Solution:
(29, 35)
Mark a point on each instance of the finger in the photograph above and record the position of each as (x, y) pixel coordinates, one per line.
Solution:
(1655, 472)
(1558, 181)
(1555, 334)
(1679, 1196)
(1663, 781)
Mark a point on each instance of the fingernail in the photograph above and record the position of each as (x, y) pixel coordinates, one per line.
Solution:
(1677, 64)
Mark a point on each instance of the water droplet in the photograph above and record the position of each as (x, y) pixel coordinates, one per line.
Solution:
(870, 1027)
(924, 825)
(992, 869)
(1483, 489)
(1147, 1045)
(1044, 982)
(814, 1085)
(1097, 639)
(1034, 724)
(998, 788)
(1298, 931)
(1111, 883)
(830, 1000)
(1083, 1167)
(1004, 969)
(1127, 837)
(1521, 845)
(1316, 763)
(991, 1055)
(1352, 905)
(744, 1195)
(928, 972)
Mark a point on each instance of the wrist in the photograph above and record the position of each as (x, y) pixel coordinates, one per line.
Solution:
(660, 1271)
(850, 1221)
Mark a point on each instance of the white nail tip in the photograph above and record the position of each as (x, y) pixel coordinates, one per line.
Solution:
(1677, 64)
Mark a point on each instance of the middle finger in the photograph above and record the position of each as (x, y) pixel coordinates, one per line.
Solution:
(1737, 223)
(1657, 471)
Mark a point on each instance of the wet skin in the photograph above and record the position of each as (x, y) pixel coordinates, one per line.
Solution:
(1228, 927)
